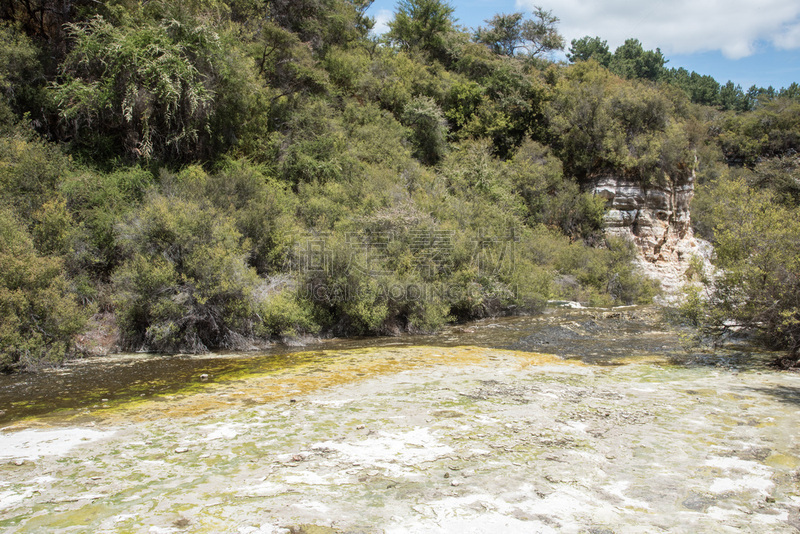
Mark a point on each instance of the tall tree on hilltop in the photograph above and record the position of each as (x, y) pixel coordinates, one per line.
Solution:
(632, 61)
(422, 24)
(587, 48)
(732, 97)
(507, 34)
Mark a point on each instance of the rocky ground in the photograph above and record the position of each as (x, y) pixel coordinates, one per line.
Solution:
(422, 439)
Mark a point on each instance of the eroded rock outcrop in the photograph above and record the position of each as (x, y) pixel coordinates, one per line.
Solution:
(658, 220)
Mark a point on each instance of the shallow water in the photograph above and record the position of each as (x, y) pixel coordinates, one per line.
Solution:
(640, 431)
(593, 336)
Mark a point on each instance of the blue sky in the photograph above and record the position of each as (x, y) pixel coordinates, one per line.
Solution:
(751, 42)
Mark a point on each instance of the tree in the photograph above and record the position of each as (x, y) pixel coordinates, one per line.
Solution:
(607, 125)
(145, 88)
(504, 34)
(793, 91)
(732, 97)
(540, 34)
(507, 34)
(587, 48)
(45, 20)
(632, 61)
(287, 64)
(20, 71)
(703, 89)
(422, 24)
(700, 89)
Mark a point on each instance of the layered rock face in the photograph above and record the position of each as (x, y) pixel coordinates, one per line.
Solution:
(657, 219)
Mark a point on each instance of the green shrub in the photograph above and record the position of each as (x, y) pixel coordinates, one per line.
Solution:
(186, 285)
(262, 208)
(30, 172)
(606, 276)
(39, 315)
(53, 228)
(21, 76)
(97, 202)
(158, 81)
(756, 244)
(422, 25)
(346, 66)
(606, 125)
(426, 120)
(383, 273)
(771, 130)
(283, 314)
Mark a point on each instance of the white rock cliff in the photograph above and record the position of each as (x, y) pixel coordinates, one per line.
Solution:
(658, 220)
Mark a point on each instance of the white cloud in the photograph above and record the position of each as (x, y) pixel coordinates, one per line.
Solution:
(382, 19)
(789, 37)
(735, 27)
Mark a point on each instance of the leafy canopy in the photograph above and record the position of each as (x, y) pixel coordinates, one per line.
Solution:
(507, 34)
(587, 48)
(422, 25)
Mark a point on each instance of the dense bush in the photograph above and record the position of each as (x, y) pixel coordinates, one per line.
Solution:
(97, 202)
(39, 314)
(772, 130)
(606, 276)
(138, 87)
(423, 25)
(551, 198)
(21, 75)
(158, 82)
(605, 125)
(30, 173)
(426, 120)
(757, 244)
(185, 285)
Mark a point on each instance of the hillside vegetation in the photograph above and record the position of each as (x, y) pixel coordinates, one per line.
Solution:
(218, 173)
